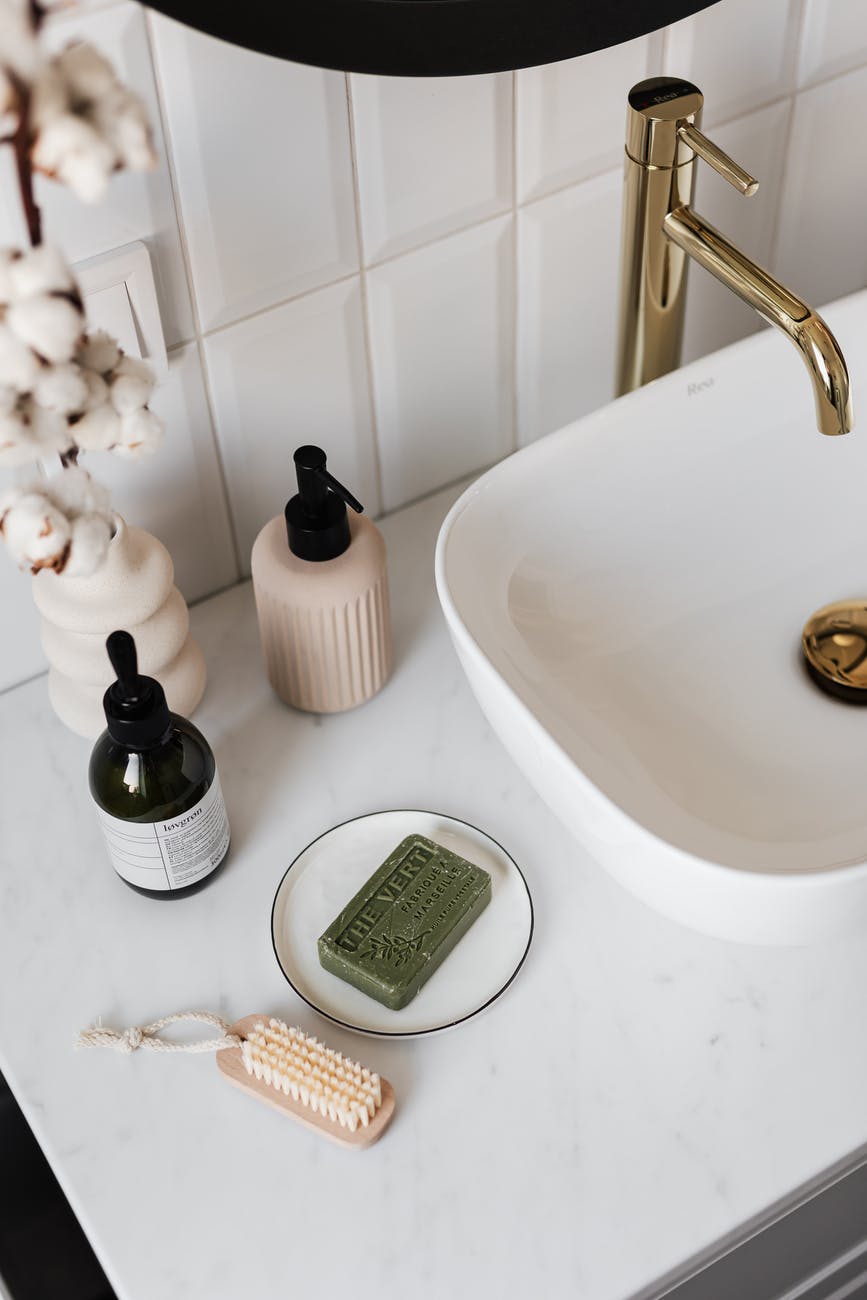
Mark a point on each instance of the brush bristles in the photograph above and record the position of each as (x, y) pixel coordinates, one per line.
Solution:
(310, 1073)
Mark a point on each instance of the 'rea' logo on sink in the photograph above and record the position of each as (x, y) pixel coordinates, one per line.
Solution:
(700, 386)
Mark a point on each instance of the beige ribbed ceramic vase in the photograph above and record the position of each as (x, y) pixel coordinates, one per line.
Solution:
(133, 590)
(325, 627)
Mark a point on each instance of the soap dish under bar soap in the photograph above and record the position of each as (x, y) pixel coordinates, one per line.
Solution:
(311, 1082)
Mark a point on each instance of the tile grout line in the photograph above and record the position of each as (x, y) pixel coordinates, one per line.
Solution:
(773, 242)
(366, 329)
(662, 55)
(191, 290)
(345, 276)
(798, 37)
(776, 224)
(247, 316)
(472, 224)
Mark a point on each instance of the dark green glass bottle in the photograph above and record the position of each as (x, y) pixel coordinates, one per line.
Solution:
(154, 780)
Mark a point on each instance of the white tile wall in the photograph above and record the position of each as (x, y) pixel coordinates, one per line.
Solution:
(419, 274)
(571, 115)
(739, 53)
(568, 254)
(289, 376)
(433, 155)
(441, 332)
(835, 39)
(179, 492)
(263, 170)
(822, 242)
(20, 651)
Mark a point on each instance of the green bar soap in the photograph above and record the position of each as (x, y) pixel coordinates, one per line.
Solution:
(404, 922)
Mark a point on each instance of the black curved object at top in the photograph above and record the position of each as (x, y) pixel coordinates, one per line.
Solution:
(427, 38)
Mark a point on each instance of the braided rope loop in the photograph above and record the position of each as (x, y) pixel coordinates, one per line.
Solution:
(130, 1040)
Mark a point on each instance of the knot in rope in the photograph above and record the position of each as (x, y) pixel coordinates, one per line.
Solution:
(130, 1040)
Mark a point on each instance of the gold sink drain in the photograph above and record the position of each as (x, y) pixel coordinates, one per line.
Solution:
(834, 642)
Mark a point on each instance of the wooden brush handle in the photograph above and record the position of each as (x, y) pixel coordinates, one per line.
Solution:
(231, 1065)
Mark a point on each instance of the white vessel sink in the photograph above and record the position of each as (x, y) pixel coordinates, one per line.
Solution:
(626, 597)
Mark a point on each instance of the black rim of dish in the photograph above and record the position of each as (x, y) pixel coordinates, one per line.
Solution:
(403, 1033)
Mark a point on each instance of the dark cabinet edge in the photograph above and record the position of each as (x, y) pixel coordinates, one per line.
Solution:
(427, 38)
(811, 1245)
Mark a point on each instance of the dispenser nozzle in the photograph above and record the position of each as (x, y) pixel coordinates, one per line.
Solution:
(314, 481)
(124, 660)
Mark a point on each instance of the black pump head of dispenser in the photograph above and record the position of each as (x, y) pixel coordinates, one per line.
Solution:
(136, 711)
(316, 521)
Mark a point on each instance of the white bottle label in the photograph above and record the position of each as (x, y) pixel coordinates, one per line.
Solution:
(173, 854)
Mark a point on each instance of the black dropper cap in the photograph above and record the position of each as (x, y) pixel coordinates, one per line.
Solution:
(316, 521)
(135, 707)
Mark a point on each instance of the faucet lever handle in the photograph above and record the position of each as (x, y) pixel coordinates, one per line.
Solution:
(711, 153)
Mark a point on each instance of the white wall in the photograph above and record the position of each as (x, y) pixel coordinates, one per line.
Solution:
(421, 275)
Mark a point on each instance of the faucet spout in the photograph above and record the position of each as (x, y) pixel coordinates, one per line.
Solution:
(776, 304)
(661, 233)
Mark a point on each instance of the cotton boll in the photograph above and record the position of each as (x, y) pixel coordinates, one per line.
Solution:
(8, 117)
(27, 434)
(36, 532)
(18, 48)
(76, 493)
(62, 388)
(7, 257)
(49, 430)
(10, 90)
(89, 542)
(87, 71)
(97, 389)
(135, 140)
(16, 445)
(8, 95)
(65, 524)
(13, 495)
(88, 172)
(8, 399)
(19, 365)
(97, 430)
(68, 148)
(129, 394)
(52, 326)
(99, 352)
(141, 434)
(87, 125)
(131, 385)
(123, 120)
(134, 368)
(49, 96)
(39, 270)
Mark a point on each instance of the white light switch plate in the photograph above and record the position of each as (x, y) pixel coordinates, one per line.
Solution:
(111, 310)
(120, 297)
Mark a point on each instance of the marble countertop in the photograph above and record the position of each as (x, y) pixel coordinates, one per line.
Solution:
(638, 1093)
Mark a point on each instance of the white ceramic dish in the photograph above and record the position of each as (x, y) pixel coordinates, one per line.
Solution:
(626, 597)
(329, 871)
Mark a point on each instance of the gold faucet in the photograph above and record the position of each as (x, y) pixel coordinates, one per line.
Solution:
(661, 231)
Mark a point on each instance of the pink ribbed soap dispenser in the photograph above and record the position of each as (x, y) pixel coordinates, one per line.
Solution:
(321, 589)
